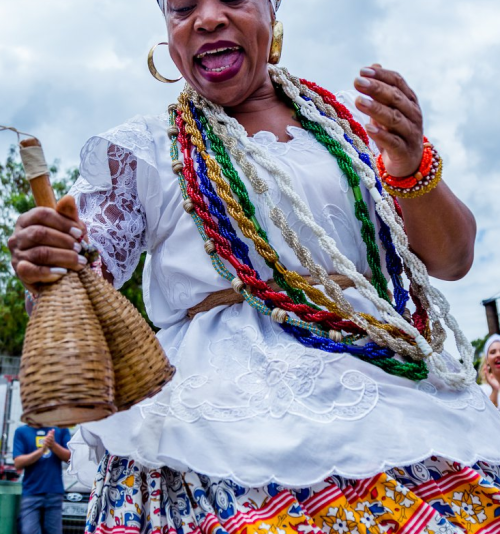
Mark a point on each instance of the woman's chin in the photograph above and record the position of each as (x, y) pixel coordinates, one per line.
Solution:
(227, 88)
(228, 94)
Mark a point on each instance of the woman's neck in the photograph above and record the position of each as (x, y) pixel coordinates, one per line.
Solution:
(264, 110)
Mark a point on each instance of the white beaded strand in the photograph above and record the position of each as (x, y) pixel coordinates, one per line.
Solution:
(342, 264)
(439, 334)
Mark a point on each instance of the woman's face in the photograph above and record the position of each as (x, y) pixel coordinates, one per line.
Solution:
(221, 47)
(493, 358)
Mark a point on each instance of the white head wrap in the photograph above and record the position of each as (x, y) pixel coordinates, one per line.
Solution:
(274, 3)
(492, 339)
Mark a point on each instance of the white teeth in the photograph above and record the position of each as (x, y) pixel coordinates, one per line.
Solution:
(217, 51)
(220, 69)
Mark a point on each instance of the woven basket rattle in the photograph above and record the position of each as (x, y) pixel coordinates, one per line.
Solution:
(87, 352)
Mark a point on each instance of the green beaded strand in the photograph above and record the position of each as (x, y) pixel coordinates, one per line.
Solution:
(222, 270)
(360, 208)
(240, 190)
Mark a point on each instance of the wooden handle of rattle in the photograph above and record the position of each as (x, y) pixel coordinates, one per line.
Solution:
(37, 172)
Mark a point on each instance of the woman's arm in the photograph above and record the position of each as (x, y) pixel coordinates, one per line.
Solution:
(441, 229)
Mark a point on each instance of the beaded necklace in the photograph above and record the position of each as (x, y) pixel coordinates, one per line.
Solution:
(303, 331)
(238, 187)
(286, 305)
(383, 334)
(364, 320)
(432, 300)
(240, 191)
(353, 133)
(245, 272)
(199, 122)
(411, 370)
(360, 207)
(329, 106)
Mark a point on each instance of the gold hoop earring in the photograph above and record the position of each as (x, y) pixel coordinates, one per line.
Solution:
(152, 68)
(276, 43)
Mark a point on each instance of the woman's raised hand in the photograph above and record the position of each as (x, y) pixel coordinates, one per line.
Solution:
(46, 243)
(396, 124)
(491, 378)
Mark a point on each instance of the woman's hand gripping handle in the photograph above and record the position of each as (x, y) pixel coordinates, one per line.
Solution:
(46, 239)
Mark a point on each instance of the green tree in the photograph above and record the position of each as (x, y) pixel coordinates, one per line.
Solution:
(15, 199)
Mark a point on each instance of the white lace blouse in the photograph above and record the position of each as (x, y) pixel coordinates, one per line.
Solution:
(248, 402)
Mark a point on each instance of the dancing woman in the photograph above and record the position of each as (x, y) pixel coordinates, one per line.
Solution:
(312, 392)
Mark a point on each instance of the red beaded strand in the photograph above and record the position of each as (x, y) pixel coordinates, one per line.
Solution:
(420, 316)
(342, 111)
(249, 277)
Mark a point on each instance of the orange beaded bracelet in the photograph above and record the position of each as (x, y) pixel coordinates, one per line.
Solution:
(424, 180)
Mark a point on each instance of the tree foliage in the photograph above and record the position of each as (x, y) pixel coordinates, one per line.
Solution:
(15, 199)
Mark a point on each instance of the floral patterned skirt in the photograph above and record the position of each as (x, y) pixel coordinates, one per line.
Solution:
(432, 497)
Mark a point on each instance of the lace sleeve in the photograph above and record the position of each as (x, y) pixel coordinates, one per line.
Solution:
(114, 217)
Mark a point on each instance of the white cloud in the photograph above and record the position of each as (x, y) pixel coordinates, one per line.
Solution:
(69, 70)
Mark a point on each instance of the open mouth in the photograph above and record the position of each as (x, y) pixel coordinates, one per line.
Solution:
(220, 59)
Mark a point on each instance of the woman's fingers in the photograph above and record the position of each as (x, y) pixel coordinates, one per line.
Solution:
(391, 103)
(52, 219)
(46, 244)
(385, 140)
(31, 275)
(396, 118)
(385, 116)
(67, 207)
(390, 78)
(37, 235)
(389, 96)
(43, 265)
(43, 256)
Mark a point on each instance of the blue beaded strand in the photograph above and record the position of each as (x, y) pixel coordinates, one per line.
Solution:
(302, 331)
(392, 260)
(216, 206)
(370, 350)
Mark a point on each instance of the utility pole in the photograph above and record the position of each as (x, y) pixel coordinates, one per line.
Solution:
(492, 316)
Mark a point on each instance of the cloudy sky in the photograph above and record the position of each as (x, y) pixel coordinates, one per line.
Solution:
(71, 69)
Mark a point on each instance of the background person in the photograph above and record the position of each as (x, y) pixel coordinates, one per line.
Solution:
(40, 453)
(490, 369)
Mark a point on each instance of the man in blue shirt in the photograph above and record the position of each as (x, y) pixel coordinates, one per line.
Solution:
(40, 452)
